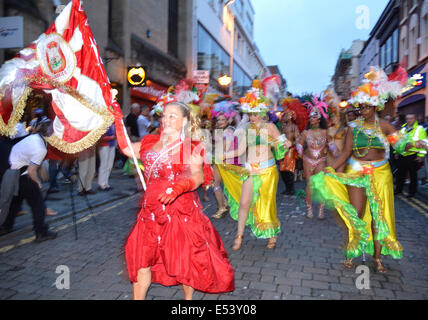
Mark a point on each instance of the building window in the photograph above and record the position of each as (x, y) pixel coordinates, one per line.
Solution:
(389, 50)
(241, 81)
(405, 8)
(212, 57)
(382, 57)
(173, 28)
(424, 30)
(403, 43)
(395, 46)
(413, 46)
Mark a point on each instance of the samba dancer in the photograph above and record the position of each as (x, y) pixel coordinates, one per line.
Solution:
(316, 140)
(224, 140)
(254, 204)
(363, 195)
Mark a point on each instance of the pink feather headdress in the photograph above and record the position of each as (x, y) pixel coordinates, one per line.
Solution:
(226, 108)
(317, 107)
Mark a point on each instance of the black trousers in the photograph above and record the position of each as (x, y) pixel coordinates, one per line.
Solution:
(288, 178)
(28, 190)
(407, 164)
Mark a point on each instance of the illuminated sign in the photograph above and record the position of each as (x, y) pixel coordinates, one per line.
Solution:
(136, 76)
(419, 82)
(11, 32)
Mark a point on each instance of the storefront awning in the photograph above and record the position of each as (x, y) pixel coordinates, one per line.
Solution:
(411, 99)
(151, 91)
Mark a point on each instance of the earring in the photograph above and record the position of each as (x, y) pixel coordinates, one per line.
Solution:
(183, 135)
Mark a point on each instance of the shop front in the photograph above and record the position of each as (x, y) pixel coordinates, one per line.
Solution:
(414, 99)
(148, 94)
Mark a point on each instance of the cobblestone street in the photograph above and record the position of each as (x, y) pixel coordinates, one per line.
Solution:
(306, 264)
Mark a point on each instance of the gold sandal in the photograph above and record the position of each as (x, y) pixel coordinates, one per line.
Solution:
(321, 215)
(379, 266)
(272, 243)
(220, 213)
(310, 214)
(238, 243)
(348, 264)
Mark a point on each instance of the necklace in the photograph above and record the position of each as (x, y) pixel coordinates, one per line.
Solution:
(370, 130)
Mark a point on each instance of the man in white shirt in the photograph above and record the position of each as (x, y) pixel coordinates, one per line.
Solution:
(144, 123)
(22, 182)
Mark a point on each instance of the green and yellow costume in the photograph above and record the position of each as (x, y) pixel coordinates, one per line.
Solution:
(376, 178)
(262, 217)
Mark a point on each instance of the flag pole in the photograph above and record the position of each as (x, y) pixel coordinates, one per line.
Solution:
(134, 158)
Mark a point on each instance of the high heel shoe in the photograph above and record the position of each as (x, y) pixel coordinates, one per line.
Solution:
(238, 243)
(310, 214)
(272, 243)
(379, 266)
(321, 215)
(348, 264)
(220, 213)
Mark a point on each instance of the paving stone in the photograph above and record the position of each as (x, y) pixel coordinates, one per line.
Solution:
(325, 278)
(273, 272)
(299, 275)
(315, 270)
(269, 295)
(263, 286)
(7, 293)
(343, 288)
(292, 297)
(301, 291)
(288, 281)
(349, 296)
(410, 296)
(284, 289)
(384, 293)
(105, 295)
(267, 278)
(326, 294)
(348, 281)
(315, 284)
(252, 276)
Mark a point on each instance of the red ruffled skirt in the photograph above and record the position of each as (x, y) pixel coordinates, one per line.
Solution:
(180, 245)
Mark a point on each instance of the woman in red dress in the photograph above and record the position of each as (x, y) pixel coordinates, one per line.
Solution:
(173, 241)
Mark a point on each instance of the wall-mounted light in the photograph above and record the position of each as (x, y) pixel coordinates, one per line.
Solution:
(225, 80)
(136, 76)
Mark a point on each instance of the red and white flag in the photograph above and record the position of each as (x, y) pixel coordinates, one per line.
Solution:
(65, 63)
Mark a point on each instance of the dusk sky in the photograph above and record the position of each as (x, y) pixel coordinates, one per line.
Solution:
(305, 37)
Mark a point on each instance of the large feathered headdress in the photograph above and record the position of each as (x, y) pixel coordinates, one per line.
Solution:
(317, 108)
(184, 92)
(378, 88)
(226, 108)
(254, 102)
(300, 112)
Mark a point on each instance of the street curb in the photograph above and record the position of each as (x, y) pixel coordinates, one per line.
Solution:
(55, 219)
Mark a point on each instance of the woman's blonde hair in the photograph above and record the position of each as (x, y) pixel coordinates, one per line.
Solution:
(194, 128)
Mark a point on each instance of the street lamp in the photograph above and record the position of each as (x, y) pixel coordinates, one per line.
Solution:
(225, 80)
(343, 104)
(232, 41)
